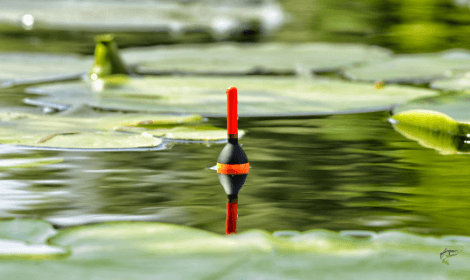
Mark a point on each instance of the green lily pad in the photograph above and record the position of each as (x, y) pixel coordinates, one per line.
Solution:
(19, 250)
(141, 250)
(22, 239)
(78, 132)
(101, 131)
(455, 105)
(204, 133)
(185, 133)
(260, 58)
(412, 68)
(260, 96)
(28, 68)
(175, 18)
(433, 130)
(457, 82)
(31, 231)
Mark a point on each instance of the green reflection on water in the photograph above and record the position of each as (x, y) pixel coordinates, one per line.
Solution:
(333, 172)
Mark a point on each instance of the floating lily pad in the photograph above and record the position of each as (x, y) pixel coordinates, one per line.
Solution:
(412, 68)
(32, 231)
(257, 59)
(73, 132)
(185, 133)
(203, 133)
(19, 250)
(260, 96)
(102, 131)
(28, 68)
(455, 105)
(22, 239)
(433, 130)
(457, 82)
(173, 17)
(141, 250)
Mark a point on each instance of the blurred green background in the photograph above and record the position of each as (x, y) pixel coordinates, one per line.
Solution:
(401, 25)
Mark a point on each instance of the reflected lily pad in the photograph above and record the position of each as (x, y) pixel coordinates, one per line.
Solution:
(433, 130)
(141, 250)
(412, 68)
(262, 58)
(260, 96)
(27, 162)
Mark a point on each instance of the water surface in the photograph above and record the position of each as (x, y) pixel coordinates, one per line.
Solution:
(337, 172)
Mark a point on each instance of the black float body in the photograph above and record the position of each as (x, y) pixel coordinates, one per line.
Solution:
(232, 153)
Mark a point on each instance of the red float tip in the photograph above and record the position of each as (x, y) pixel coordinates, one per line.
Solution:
(232, 111)
(231, 90)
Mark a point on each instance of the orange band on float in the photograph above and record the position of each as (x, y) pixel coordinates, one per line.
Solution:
(231, 169)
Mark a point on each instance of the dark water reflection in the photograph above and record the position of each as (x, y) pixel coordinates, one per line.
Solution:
(335, 172)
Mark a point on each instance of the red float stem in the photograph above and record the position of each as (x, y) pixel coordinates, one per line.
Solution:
(231, 226)
(232, 111)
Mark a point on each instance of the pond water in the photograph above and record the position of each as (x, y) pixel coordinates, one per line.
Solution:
(337, 172)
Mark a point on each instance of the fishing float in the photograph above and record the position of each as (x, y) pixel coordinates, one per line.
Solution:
(232, 164)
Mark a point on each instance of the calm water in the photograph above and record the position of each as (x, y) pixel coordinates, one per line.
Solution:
(334, 172)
